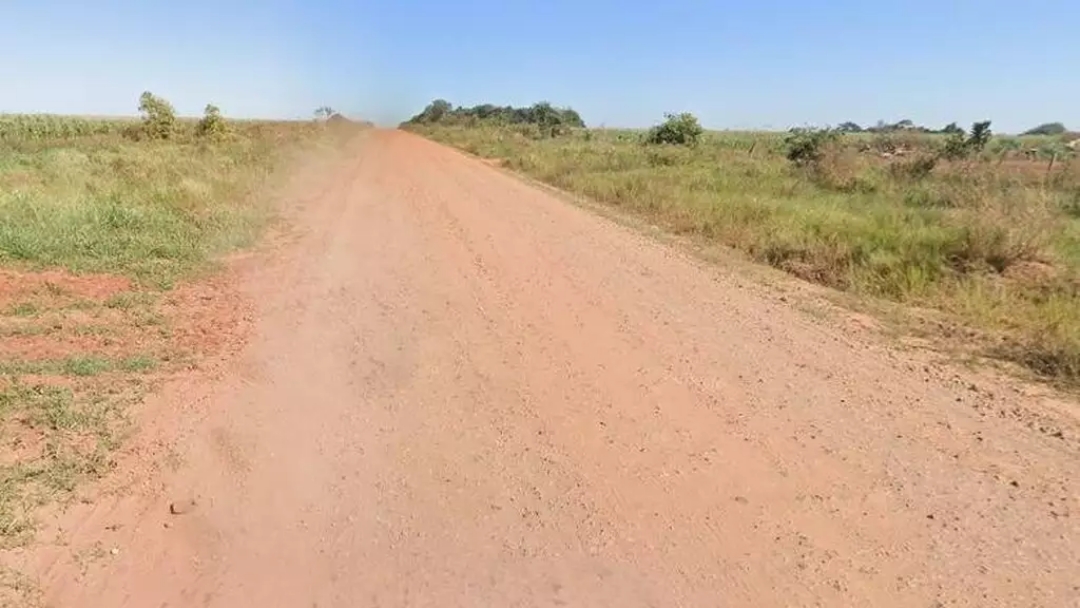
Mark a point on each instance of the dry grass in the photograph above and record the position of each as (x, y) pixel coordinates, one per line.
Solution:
(997, 249)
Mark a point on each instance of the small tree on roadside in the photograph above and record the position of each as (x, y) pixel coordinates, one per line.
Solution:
(212, 125)
(158, 116)
(678, 129)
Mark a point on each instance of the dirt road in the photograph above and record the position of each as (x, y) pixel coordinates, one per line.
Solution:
(461, 391)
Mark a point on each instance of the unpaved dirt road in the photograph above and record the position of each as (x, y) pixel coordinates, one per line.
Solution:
(461, 391)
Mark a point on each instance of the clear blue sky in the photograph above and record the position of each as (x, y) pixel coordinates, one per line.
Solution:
(736, 64)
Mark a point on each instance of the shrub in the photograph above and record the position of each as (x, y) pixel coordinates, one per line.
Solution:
(678, 129)
(959, 144)
(955, 145)
(212, 125)
(915, 169)
(1050, 128)
(806, 146)
(158, 116)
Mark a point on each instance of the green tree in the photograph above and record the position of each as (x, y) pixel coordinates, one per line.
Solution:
(952, 128)
(1049, 128)
(679, 129)
(158, 116)
(980, 136)
(212, 125)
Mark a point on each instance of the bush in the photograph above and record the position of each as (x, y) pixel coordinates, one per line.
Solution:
(1050, 128)
(959, 144)
(806, 146)
(212, 125)
(677, 129)
(915, 169)
(158, 116)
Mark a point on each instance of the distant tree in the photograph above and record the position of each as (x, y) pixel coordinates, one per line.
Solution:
(212, 125)
(337, 119)
(900, 125)
(980, 136)
(434, 112)
(552, 120)
(952, 128)
(549, 119)
(1050, 128)
(849, 127)
(680, 129)
(324, 112)
(572, 119)
(959, 144)
(158, 116)
(805, 147)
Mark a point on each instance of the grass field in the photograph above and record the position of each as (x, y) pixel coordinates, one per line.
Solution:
(993, 241)
(99, 229)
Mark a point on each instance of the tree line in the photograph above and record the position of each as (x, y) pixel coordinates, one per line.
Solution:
(541, 114)
(1050, 128)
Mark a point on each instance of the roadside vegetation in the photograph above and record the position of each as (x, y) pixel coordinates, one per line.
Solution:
(983, 228)
(102, 223)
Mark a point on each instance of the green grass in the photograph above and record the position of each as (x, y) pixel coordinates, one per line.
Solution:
(79, 366)
(149, 210)
(950, 241)
(76, 430)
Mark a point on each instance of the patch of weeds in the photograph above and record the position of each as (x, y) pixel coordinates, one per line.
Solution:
(51, 407)
(149, 319)
(54, 290)
(79, 366)
(128, 300)
(64, 462)
(18, 590)
(85, 365)
(137, 364)
(23, 330)
(16, 526)
(94, 330)
(90, 555)
(82, 304)
(24, 309)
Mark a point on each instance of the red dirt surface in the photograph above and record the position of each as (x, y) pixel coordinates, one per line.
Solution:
(15, 285)
(461, 391)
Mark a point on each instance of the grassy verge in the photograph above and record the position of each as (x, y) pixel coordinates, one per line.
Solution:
(995, 246)
(152, 210)
(96, 229)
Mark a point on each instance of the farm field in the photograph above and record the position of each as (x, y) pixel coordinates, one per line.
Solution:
(992, 240)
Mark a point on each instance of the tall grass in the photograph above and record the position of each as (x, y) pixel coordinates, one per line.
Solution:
(104, 202)
(996, 245)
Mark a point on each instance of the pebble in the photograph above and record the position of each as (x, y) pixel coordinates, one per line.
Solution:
(181, 507)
